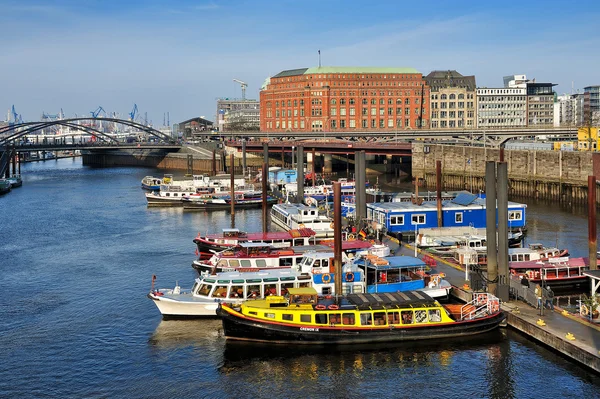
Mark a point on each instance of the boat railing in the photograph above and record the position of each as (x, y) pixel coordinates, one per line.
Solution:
(483, 304)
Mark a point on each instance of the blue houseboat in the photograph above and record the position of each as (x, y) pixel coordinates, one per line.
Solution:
(465, 209)
(282, 176)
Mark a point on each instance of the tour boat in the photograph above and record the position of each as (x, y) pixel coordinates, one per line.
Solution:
(151, 183)
(255, 256)
(169, 195)
(442, 238)
(302, 317)
(401, 273)
(235, 287)
(5, 186)
(15, 181)
(535, 252)
(299, 216)
(208, 244)
(212, 202)
(555, 272)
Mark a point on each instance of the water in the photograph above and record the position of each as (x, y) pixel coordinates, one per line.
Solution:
(78, 248)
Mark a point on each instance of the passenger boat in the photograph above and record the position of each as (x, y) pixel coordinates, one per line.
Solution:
(169, 195)
(556, 272)
(208, 244)
(299, 216)
(15, 181)
(152, 183)
(302, 317)
(402, 273)
(5, 186)
(255, 256)
(235, 287)
(442, 238)
(223, 202)
(535, 252)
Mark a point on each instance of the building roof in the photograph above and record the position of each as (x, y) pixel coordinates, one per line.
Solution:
(197, 119)
(450, 78)
(343, 69)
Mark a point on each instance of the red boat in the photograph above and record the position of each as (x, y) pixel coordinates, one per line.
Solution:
(555, 272)
(210, 243)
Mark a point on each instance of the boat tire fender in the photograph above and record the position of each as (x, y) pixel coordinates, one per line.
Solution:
(349, 277)
(326, 278)
(333, 306)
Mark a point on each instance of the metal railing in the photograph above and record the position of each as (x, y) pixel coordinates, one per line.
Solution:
(526, 293)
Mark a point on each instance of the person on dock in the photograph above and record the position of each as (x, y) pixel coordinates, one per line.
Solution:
(549, 298)
(538, 295)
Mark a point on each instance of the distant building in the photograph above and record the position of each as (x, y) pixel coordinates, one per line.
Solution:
(225, 105)
(501, 107)
(515, 81)
(453, 100)
(242, 120)
(591, 105)
(344, 99)
(568, 110)
(540, 104)
(194, 127)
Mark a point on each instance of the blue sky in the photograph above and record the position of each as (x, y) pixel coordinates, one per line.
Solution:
(178, 56)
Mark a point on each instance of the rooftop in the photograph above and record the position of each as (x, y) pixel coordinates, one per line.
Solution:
(345, 69)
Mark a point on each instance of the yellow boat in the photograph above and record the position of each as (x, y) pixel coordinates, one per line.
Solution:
(304, 318)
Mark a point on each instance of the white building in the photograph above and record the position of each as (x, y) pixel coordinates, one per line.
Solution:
(501, 108)
(515, 81)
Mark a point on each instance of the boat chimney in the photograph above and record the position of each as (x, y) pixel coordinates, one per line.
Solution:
(592, 240)
(337, 236)
(438, 182)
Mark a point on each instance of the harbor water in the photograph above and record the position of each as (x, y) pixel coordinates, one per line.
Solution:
(79, 247)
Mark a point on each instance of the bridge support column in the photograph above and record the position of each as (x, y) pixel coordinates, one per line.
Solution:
(244, 157)
(300, 174)
(310, 161)
(190, 164)
(327, 161)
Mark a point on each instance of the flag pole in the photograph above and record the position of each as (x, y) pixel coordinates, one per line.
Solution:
(319, 58)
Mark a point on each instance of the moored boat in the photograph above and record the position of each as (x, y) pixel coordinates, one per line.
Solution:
(152, 183)
(299, 216)
(212, 202)
(5, 186)
(15, 181)
(302, 317)
(562, 272)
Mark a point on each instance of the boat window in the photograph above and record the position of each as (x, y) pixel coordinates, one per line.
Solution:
(194, 287)
(458, 217)
(435, 316)
(270, 279)
(304, 284)
(317, 263)
(407, 316)
(207, 280)
(261, 263)
(396, 220)
(270, 289)
(393, 318)
(204, 289)
(348, 319)
(223, 281)
(286, 262)
(237, 291)
(253, 291)
(288, 278)
(237, 281)
(320, 318)
(234, 263)
(254, 313)
(527, 257)
(246, 263)
(335, 318)
(288, 317)
(366, 319)
(220, 291)
(305, 318)
(285, 287)
(379, 318)
(420, 316)
(270, 315)
(222, 263)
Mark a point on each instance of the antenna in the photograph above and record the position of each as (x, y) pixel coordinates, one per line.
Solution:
(319, 58)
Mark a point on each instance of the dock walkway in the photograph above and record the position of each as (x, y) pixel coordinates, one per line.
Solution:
(573, 337)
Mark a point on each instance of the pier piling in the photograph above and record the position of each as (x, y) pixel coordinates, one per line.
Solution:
(300, 175)
(490, 223)
(592, 240)
(337, 236)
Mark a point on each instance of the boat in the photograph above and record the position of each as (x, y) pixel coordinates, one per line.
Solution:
(153, 183)
(302, 317)
(208, 244)
(443, 238)
(214, 202)
(535, 252)
(5, 186)
(169, 195)
(15, 181)
(298, 216)
(402, 273)
(235, 287)
(561, 272)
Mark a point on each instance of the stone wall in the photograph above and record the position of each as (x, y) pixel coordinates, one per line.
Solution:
(557, 175)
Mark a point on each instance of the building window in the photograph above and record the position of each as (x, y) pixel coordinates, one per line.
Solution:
(458, 217)
(352, 123)
(373, 111)
(418, 219)
(381, 123)
(373, 123)
(390, 123)
(342, 111)
(398, 122)
(365, 124)
(396, 220)
(342, 123)
(301, 124)
(381, 111)
(333, 111)
(352, 111)
(365, 111)
(333, 123)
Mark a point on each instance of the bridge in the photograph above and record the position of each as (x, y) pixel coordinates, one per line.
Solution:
(326, 146)
(484, 137)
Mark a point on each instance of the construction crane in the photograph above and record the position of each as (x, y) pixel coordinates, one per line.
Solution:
(97, 112)
(133, 112)
(244, 85)
(16, 117)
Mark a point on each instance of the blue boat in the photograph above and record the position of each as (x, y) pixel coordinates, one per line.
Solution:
(465, 209)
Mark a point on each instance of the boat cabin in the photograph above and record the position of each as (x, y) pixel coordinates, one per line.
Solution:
(392, 274)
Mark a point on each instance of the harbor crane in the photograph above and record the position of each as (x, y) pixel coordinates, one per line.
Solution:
(97, 112)
(244, 85)
(133, 112)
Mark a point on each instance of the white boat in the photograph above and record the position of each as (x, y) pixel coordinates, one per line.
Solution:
(169, 195)
(209, 291)
(535, 252)
(299, 216)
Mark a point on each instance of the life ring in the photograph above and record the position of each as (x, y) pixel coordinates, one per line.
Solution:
(584, 310)
(324, 190)
(326, 278)
(349, 277)
(301, 226)
(158, 293)
(320, 307)
(495, 305)
(333, 306)
(351, 236)
(331, 225)
(513, 272)
(481, 299)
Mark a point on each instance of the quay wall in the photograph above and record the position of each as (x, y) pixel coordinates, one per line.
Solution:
(553, 175)
(172, 161)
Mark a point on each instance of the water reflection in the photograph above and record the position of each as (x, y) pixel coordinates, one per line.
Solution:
(172, 334)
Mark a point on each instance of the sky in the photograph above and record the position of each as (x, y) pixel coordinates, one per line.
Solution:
(179, 56)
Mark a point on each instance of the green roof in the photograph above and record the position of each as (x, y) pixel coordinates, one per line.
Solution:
(348, 69)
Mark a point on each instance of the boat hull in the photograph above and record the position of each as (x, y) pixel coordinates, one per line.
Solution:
(158, 201)
(171, 308)
(209, 206)
(238, 327)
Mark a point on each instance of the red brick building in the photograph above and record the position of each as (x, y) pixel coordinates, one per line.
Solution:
(344, 99)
